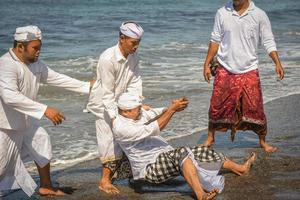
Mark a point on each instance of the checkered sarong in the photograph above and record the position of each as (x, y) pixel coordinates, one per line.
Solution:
(168, 164)
(120, 169)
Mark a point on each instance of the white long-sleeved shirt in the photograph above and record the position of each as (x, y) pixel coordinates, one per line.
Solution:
(239, 36)
(19, 85)
(140, 142)
(115, 75)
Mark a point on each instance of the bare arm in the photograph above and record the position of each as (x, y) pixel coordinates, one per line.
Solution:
(212, 51)
(278, 67)
(176, 106)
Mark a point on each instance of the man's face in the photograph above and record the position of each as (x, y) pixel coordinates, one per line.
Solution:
(239, 2)
(31, 53)
(130, 45)
(134, 113)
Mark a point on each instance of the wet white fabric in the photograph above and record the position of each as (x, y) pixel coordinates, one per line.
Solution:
(239, 36)
(132, 30)
(13, 174)
(129, 101)
(115, 75)
(19, 112)
(209, 178)
(28, 33)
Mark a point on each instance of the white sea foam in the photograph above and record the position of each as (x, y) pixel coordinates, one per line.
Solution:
(61, 164)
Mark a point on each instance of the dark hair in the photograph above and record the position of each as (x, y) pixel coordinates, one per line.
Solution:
(25, 44)
(121, 34)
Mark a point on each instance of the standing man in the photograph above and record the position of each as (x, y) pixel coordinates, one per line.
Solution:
(237, 102)
(21, 136)
(117, 72)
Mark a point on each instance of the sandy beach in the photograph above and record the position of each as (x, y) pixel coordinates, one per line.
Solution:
(273, 176)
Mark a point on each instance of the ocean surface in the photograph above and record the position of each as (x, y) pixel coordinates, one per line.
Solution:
(172, 52)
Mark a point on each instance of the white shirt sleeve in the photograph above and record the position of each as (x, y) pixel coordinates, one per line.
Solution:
(136, 132)
(266, 35)
(154, 112)
(107, 77)
(53, 78)
(11, 95)
(216, 34)
(135, 85)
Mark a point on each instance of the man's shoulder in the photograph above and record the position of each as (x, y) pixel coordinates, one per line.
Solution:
(224, 10)
(259, 12)
(5, 58)
(108, 54)
(118, 123)
(7, 63)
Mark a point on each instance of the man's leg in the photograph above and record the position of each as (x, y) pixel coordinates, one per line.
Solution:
(190, 174)
(37, 146)
(105, 183)
(46, 187)
(268, 148)
(13, 174)
(109, 152)
(173, 163)
(237, 168)
(210, 138)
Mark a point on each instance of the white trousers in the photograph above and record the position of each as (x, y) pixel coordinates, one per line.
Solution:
(108, 149)
(18, 147)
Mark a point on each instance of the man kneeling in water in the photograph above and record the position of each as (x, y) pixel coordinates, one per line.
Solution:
(137, 131)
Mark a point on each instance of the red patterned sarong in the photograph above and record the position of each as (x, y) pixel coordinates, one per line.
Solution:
(237, 103)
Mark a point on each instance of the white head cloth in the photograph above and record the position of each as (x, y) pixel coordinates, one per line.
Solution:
(132, 30)
(28, 33)
(129, 101)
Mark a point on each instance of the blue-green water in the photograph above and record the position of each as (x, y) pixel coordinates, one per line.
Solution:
(172, 53)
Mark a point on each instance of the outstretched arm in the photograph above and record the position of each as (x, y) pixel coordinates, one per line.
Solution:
(60, 80)
(176, 106)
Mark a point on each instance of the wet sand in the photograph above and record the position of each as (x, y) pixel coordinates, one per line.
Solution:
(273, 176)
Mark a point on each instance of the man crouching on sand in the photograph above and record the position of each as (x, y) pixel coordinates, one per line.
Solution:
(137, 131)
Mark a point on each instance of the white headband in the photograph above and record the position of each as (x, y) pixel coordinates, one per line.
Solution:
(129, 101)
(28, 33)
(132, 30)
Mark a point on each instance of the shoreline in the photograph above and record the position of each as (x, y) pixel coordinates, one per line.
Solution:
(273, 176)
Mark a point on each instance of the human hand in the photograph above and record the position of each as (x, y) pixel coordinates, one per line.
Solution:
(206, 73)
(179, 104)
(54, 115)
(279, 71)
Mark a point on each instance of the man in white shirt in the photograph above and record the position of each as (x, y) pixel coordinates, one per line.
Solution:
(154, 160)
(21, 137)
(117, 72)
(237, 102)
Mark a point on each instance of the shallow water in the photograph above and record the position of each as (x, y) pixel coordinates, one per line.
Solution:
(172, 53)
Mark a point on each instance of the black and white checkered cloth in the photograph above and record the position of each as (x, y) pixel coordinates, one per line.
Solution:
(167, 164)
(120, 169)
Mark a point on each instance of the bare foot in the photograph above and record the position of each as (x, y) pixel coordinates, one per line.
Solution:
(268, 148)
(51, 192)
(108, 188)
(210, 195)
(248, 164)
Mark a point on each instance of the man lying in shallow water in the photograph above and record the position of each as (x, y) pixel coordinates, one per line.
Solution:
(137, 131)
